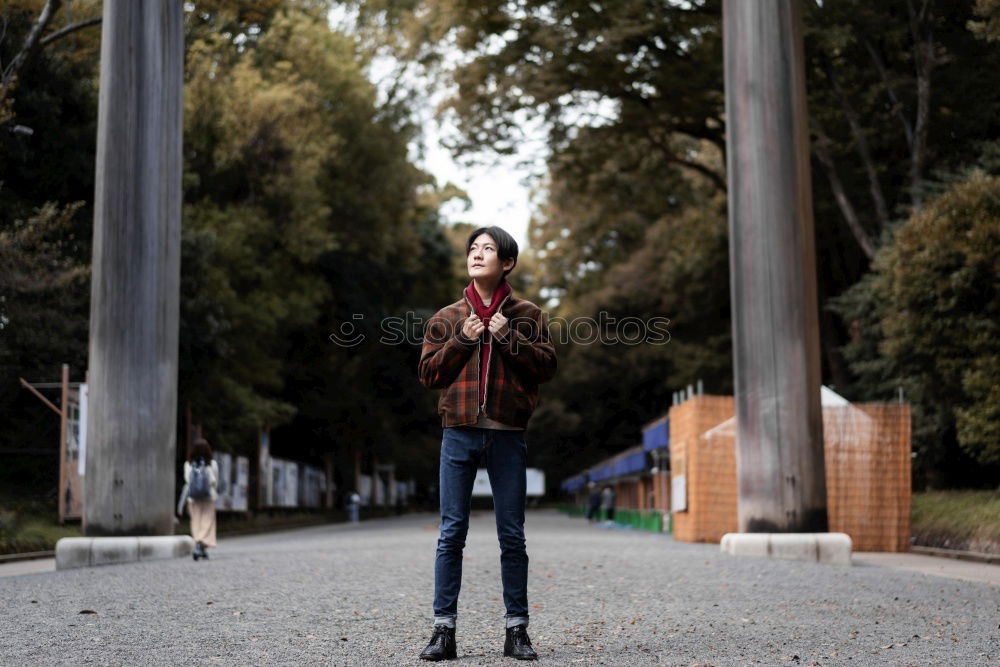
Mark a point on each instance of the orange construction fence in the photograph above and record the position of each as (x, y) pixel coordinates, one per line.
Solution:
(866, 452)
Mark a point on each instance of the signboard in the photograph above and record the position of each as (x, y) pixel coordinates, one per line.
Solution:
(536, 482)
(312, 486)
(678, 493)
(72, 467)
(223, 498)
(234, 480)
(284, 483)
(265, 497)
(241, 497)
(481, 485)
(281, 483)
(81, 439)
(290, 494)
(678, 480)
(534, 477)
(365, 481)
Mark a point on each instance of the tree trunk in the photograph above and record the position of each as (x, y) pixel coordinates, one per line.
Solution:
(840, 196)
(861, 142)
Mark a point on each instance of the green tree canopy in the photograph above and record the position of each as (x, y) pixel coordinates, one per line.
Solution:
(927, 319)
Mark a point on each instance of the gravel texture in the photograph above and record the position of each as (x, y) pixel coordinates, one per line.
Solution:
(360, 595)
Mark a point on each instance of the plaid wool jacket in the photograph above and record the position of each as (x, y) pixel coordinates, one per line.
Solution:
(517, 364)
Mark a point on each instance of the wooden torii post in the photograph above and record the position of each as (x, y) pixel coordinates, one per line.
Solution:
(779, 440)
(135, 287)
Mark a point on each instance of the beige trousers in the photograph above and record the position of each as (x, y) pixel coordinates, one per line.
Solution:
(202, 521)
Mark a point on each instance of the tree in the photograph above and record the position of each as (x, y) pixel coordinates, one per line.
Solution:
(925, 320)
(988, 24)
(37, 39)
(651, 253)
(304, 215)
(898, 93)
(46, 185)
(302, 210)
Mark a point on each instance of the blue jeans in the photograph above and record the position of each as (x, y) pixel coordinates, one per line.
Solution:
(504, 451)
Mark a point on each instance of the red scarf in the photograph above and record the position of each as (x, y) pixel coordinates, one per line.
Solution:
(485, 313)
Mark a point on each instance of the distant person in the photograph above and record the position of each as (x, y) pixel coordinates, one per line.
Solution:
(488, 352)
(201, 478)
(595, 503)
(608, 497)
(354, 507)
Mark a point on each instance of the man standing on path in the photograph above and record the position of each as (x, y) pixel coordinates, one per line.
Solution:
(488, 352)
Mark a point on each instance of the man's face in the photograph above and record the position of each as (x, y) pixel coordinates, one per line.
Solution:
(483, 262)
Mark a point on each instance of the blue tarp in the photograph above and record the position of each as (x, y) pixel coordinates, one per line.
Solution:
(631, 464)
(601, 473)
(573, 483)
(628, 464)
(656, 435)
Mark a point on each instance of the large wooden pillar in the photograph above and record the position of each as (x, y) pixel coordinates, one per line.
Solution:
(779, 439)
(131, 437)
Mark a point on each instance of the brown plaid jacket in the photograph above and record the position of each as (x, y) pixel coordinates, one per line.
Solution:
(518, 364)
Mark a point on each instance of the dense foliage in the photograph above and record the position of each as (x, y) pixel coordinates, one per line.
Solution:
(931, 310)
(630, 93)
(303, 212)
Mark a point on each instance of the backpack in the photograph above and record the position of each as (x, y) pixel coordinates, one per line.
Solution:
(199, 483)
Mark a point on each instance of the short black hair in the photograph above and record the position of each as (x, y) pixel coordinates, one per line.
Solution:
(506, 245)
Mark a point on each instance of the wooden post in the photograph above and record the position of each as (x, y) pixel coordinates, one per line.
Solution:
(135, 287)
(357, 470)
(63, 419)
(779, 437)
(328, 461)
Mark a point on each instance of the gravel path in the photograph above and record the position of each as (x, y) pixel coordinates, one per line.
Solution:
(359, 595)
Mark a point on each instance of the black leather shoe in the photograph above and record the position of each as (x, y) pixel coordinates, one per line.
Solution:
(518, 645)
(442, 645)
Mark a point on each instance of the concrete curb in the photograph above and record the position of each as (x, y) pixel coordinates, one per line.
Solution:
(29, 555)
(75, 552)
(830, 548)
(973, 556)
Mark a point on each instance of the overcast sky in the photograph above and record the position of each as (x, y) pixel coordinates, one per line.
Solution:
(499, 193)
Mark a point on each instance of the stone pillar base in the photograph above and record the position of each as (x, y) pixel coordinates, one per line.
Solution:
(74, 552)
(830, 548)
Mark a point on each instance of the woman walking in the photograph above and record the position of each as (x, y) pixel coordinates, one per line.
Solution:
(201, 475)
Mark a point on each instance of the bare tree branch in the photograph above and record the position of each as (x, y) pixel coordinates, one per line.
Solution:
(35, 43)
(3, 35)
(861, 141)
(890, 92)
(820, 149)
(59, 34)
(671, 156)
(923, 62)
(30, 44)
